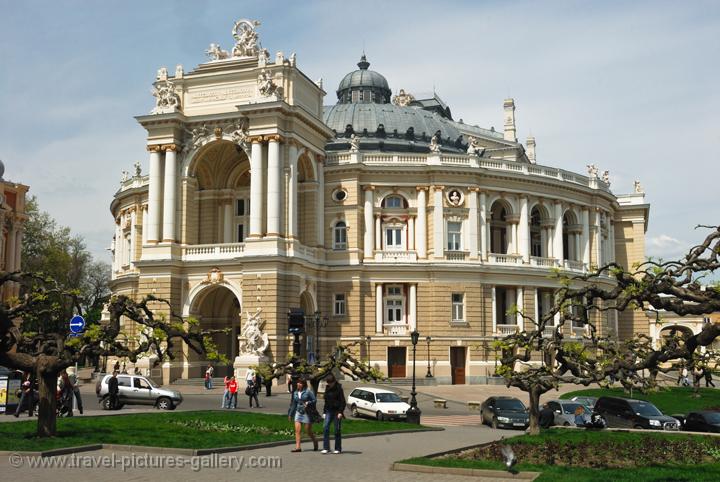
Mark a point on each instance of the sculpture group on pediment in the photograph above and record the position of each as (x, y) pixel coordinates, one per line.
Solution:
(606, 177)
(354, 143)
(239, 133)
(215, 52)
(637, 187)
(592, 170)
(162, 74)
(435, 143)
(166, 98)
(403, 99)
(474, 147)
(138, 169)
(246, 38)
(196, 137)
(266, 85)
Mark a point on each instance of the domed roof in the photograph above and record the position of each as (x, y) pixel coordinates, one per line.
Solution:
(364, 79)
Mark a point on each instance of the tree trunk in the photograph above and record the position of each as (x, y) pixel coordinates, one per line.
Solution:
(47, 411)
(534, 427)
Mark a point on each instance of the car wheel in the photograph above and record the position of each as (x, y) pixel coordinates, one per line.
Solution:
(354, 411)
(494, 423)
(639, 427)
(482, 418)
(164, 403)
(566, 424)
(379, 415)
(105, 403)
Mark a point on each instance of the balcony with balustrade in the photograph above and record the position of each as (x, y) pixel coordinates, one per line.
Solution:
(505, 330)
(395, 329)
(395, 256)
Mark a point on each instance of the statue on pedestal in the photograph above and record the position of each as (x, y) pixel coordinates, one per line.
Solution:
(253, 340)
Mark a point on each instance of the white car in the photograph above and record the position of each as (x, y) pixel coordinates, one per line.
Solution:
(378, 403)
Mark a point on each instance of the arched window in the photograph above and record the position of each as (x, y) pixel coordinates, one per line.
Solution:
(394, 202)
(340, 235)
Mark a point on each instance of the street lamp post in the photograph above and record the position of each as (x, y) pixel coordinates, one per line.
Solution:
(316, 345)
(429, 373)
(367, 347)
(413, 413)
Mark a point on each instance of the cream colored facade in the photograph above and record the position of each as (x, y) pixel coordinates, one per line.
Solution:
(252, 202)
(12, 219)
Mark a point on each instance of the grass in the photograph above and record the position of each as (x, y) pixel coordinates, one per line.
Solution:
(194, 430)
(668, 400)
(632, 442)
(679, 473)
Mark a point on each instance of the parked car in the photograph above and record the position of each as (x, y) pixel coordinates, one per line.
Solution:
(378, 403)
(504, 412)
(565, 412)
(706, 421)
(586, 401)
(137, 390)
(631, 413)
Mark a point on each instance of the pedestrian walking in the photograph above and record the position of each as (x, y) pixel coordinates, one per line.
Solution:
(116, 368)
(252, 391)
(27, 399)
(76, 389)
(226, 394)
(208, 377)
(333, 413)
(684, 377)
(547, 417)
(301, 398)
(65, 406)
(113, 391)
(232, 389)
(707, 373)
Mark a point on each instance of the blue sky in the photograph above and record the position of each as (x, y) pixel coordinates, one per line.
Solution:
(629, 86)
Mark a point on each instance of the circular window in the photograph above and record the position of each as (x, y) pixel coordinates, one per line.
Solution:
(339, 195)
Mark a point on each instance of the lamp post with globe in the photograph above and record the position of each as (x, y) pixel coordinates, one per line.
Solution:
(429, 373)
(413, 413)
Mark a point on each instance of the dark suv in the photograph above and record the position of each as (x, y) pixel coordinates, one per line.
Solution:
(504, 412)
(631, 413)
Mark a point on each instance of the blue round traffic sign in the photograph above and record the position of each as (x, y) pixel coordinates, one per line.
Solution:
(77, 324)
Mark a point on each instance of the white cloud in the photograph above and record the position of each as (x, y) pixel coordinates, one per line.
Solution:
(666, 247)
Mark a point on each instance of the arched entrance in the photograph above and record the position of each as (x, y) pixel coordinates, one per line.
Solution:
(308, 341)
(217, 308)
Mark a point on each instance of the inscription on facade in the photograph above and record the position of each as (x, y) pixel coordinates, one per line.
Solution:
(231, 93)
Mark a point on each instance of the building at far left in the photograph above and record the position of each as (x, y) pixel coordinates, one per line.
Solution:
(12, 219)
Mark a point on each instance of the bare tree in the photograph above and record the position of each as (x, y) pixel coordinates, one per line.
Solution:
(48, 350)
(652, 285)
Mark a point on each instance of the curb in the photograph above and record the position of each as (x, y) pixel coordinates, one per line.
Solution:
(195, 452)
(492, 474)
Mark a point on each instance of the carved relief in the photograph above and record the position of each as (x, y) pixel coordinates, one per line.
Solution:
(267, 86)
(166, 99)
(403, 99)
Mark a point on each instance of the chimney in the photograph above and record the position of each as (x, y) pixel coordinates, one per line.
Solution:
(509, 106)
(530, 149)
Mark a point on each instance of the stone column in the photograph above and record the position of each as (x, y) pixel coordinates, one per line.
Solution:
(544, 242)
(155, 190)
(598, 244)
(473, 222)
(494, 310)
(412, 307)
(369, 238)
(558, 238)
(439, 222)
(586, 237)
(133, 235)
(520, 302)
(378, 233)
(611, 241)
(228, 224)
(378, 308)
(320, 202)
(524, 228)
(577, 238)
(411, 233)
(18, 253)
(256, 187)
(117, 258)
(273, 186)
(10, 249)
(144, 223)
(421, 225)
(484, 234)
(293, 191)
(169, 190)
(509, 238)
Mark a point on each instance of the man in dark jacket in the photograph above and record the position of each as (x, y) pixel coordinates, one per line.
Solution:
(547, 417)
(113, 390)
(333, 410)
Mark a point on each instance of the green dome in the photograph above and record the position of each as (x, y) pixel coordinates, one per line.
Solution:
(370, 86)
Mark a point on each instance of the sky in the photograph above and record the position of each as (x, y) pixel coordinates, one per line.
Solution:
(629, 86)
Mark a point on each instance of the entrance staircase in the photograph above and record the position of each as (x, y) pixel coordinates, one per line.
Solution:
(407, 382)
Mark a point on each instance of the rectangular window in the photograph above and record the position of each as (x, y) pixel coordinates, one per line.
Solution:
(339, 304)
(454, 235)
(458, 307)
(393, 304)
(128, 247)
(393, 238)
(240, 207)
(240, 233)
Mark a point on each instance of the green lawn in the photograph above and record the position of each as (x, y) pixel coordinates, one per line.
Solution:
(696, 458)
(668, 400)
(196, 430)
